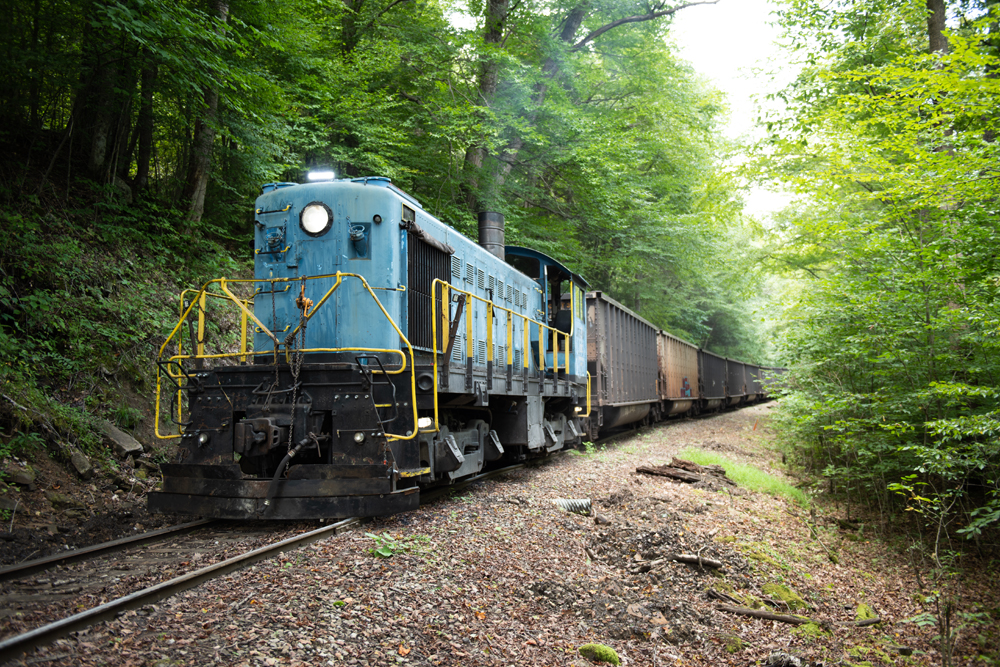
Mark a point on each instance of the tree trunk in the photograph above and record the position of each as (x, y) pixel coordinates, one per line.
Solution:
(102, 115)
(199, 167)
(144, 126)
(489, 76)
(37, 75)
(935, 26)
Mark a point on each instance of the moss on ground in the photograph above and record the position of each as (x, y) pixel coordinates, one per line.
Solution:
(599, 653)
(786, 595)
(811, 631)
(733, 644)
(864, 612)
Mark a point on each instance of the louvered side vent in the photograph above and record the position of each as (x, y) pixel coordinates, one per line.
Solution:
(424, 264)
(482, 278)
(458, 352)
(517, 359)
(499, 295)
(456, 267)
(481, 353)
(510, 293)
(493, 284)
(470, 272)
(501, 356)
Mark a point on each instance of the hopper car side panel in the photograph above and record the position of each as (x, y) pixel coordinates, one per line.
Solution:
(678, 369)
(621, 346)
(712, 374)
(754, 391)
(736, 384)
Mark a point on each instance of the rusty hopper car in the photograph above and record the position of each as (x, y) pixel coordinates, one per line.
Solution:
(677, 384)
(621, 359)
(712, 375)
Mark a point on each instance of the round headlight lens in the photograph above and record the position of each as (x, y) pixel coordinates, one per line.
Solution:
(315, 219)
(359, 437)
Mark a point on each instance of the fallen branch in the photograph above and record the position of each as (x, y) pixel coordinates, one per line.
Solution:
(698, 560)
(691, 559)
(758, 613)
(864, 623)
(686, 471)
(673, 473)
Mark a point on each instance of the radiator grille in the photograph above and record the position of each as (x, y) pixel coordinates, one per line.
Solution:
(424, 265)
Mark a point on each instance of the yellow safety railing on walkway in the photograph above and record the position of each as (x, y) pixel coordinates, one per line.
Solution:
(246, 315)
(445, 317)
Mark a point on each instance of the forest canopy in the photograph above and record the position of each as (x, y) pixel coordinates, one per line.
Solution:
(575, 120)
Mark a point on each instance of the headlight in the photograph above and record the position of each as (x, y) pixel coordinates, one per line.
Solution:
(359, 437)
(316, 219)
(424, 422)
(203, 439)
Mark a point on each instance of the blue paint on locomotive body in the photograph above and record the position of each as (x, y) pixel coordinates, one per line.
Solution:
(353, 319)
(285, 249)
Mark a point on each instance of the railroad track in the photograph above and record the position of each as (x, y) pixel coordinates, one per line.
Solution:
(70, 580)
(112, 578)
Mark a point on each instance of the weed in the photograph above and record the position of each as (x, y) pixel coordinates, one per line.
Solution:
(747, 476)
(387, 546)
(126, 417)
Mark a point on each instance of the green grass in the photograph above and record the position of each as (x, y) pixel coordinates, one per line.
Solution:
(747, 476)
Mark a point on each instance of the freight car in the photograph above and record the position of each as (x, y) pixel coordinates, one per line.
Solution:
(380, 352)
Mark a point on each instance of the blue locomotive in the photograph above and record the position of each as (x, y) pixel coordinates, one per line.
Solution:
(389, 352)
(382, 352)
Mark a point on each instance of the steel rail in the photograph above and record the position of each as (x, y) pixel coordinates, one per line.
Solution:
(32, 566)
(16, 647)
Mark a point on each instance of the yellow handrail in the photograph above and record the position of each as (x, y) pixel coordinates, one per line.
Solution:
(247, 314)
(447, 287)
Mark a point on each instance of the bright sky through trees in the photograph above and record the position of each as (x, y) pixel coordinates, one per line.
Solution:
(733, 44)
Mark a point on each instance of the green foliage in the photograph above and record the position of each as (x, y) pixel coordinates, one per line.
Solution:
(893, 324)
(87, 296)
(387, 546)
(602, 156)
(748, 476)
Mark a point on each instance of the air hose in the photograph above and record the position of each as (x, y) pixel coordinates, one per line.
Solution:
(272, 489)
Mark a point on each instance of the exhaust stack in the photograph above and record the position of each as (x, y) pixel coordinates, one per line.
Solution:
(491, 232)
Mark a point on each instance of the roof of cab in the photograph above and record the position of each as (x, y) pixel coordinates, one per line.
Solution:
(528, 252)
(381, 181)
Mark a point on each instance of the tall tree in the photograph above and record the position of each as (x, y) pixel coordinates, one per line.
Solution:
(203, 141)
